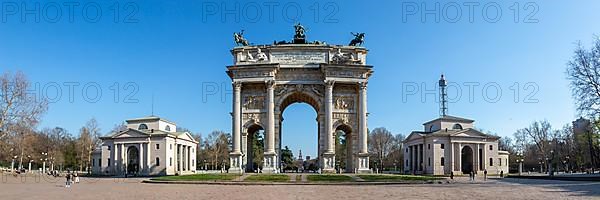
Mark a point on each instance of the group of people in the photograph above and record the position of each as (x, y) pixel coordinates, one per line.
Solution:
(71, 178)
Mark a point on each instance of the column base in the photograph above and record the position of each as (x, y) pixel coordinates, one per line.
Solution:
(328, 163)
(235, 163)
(362, 161)
(270, 163)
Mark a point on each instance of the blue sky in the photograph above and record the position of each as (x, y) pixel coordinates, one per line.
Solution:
(171, 49)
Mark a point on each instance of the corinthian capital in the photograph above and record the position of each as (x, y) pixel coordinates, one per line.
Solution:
(362, 85)
(329, 83)
(236, 85)
(270, 83)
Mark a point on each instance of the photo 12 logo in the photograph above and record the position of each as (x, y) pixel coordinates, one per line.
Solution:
(491, 92)
(471, 12)
(71, 11)
(90, 92)
(253, 12)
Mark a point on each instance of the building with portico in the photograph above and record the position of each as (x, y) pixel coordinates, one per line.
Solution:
(451, 144)
(149, 146)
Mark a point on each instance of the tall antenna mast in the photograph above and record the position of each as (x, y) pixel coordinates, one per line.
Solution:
(443, 97)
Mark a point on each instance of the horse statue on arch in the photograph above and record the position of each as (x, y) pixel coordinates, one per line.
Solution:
(358, 40)
(239, 39)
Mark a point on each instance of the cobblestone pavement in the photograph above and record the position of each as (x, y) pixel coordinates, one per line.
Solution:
(461, 188)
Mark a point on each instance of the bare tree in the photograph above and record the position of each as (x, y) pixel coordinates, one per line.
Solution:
(381, 142)
(20, 111)
(584, 73)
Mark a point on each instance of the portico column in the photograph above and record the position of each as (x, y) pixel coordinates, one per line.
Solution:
(141, 158)
(179, 164)
(123, 159)
(363, 117)
(114, 158)
(329, 115)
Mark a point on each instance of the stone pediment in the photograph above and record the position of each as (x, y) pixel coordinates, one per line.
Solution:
(130, 133)
(186, 136)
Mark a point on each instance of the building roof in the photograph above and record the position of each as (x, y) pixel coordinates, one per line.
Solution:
(451, 118)
(149, 118)
(148, 133)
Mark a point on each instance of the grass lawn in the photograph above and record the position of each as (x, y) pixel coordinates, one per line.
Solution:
(268, 178)
(329, 178)
(392, 178)
(199, 177)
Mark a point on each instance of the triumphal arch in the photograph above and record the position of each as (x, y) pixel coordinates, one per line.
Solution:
(330, 78)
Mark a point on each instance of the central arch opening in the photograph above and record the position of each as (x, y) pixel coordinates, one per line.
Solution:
(466, 159)
(133, 160)
(299, 134)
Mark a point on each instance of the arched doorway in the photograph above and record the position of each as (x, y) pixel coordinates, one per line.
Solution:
(466, 159)
(298, 130)
(343, 148)
(133, 160)
(255, 142)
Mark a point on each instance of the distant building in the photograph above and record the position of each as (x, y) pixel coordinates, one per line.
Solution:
(149, 146)
(582, 126)
(451, 144)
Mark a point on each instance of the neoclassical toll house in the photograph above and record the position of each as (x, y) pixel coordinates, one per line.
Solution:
(330, 78)
(149, 146)
(452, 144)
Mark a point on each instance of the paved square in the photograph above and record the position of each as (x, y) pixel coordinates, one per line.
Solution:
(112, 188)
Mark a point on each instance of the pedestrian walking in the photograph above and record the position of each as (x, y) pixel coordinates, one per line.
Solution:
(451, 175)
(471, 176)
(485, 174)
(502, 174)
(473, 172)
(68, 183)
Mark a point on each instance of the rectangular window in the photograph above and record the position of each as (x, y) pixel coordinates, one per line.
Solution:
(157, 161)
(500, 161)
(428, 146)
(442, 146)
(100, 162)
(429, 162)
(442, 161)
(406, 162)
(157, 146)
(93, 162)
(108, 162)
(170, 161)
(491, 162)
(171, 146)
(406, 150)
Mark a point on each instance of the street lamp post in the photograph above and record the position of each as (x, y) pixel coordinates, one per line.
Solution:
(12, 165)
(45, 154)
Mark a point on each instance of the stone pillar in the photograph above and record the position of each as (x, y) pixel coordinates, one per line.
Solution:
(141, 164)
(270, 156)
(149, 157)
(363, 155)
(114, 159)
(451, 159)
(476, 158)
(123, 159)
(236, 155)
(328, 160)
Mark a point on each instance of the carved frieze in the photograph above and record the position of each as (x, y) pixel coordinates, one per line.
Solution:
(254, 102)
(344, 102)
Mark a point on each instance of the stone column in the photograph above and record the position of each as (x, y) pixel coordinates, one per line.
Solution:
(179, 159)
(237, 88)
(236, 155)
(476, 159)
(148, 156)
(123, 159)
(114, 158)
(328, 160)
(363, 155)
(141, 157)
(270, 156)
(451, 159)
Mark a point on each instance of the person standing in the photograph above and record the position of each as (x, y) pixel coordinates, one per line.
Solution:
(473, 172)
(76, 177)
(68, 177)
(485, 174)
(451, 175)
